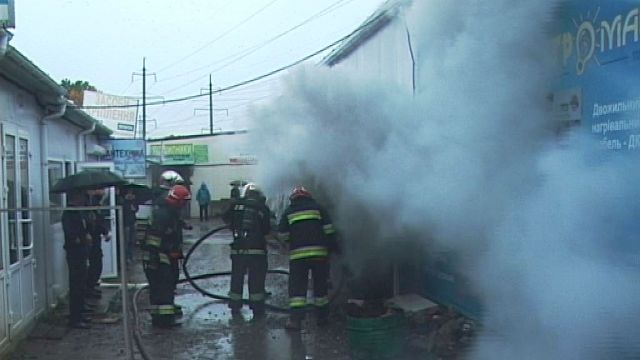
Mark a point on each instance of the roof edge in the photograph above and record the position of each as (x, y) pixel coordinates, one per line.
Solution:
(383, 16)
(31, 69)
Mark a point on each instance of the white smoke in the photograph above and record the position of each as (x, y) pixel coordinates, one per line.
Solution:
(472, 163)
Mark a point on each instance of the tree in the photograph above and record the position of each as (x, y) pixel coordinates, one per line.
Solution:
(76, 90)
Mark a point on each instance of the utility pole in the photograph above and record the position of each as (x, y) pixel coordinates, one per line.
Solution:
(144, 95)
(210, 106)
(144, 98)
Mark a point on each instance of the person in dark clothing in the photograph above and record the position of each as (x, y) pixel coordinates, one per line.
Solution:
(235, 192)
(77, 238)
(307, 228)
(249, 220)
(203, 197)
(129, 209)
(99, 228)
(160, 256)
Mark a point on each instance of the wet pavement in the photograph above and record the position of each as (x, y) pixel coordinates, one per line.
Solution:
(208, 330)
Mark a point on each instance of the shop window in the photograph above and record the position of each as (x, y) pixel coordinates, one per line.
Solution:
(56, 172)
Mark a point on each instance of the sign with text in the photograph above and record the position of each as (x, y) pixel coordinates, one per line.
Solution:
(121, 118)
(243, 160)
(177, 154)
(7, 14)
(200, 154)
(598, 49)
(128, 156)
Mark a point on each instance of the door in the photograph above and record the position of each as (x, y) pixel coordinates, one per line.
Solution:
(17, 228)
(4, 259)
(109, 248)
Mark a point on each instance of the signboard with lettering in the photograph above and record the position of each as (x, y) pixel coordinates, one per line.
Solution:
(200, 154)
(121, 118)
(177, 154)
(243, 160)
(598, 47)
(7, 14)
(128, 156)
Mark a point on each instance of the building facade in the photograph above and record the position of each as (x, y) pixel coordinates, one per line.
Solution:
(215, 160)
(43, 139)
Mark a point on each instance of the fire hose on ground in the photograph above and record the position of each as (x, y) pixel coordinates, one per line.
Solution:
(191, 280)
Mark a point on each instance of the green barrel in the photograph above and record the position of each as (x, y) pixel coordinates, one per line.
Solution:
(377, 338)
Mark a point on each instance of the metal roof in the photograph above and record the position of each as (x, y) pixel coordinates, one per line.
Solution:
(196, 136)
(382, 17)
(20, 71)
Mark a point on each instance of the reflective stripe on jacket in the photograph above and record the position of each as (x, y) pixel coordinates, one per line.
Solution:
(308, 229)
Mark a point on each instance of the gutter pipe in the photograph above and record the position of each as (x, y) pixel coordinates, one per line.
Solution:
(82, 141)
(5, 37)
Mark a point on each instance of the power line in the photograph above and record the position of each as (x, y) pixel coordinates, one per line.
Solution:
(244, 53)
(219, 37)
(242, 83)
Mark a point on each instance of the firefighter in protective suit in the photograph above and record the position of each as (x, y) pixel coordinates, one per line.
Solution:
(161, 255)
(168, 179)
(307, 228)
(249, 220)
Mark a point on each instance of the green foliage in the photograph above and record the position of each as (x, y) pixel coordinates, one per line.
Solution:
(78, 85)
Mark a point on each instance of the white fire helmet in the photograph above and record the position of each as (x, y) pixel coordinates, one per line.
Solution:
(171, 178)
(251, 190)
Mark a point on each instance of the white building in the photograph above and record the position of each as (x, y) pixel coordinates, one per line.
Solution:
(43, 140)
(214, 159)
(381, 47)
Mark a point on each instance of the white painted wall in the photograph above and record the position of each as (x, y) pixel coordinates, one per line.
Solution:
(219, 170)
(385, 56)
(19, 108)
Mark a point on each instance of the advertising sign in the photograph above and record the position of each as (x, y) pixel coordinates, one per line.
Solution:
(121, 120)
(177, 154)
(155, 153)
(7, 14)
(200, 154)
(243, 160)
(598, 47)
(128, 156)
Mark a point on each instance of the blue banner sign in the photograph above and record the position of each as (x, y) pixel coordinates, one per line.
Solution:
(598, 46)
(128, 156)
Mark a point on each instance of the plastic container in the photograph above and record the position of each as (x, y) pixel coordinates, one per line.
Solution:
(377, 338)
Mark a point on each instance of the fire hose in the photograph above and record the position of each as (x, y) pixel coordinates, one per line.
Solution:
(191, 280)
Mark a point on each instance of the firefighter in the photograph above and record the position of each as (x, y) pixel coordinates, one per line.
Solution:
(160, 257)
(307, 228)
(168, 179)
(249, 220)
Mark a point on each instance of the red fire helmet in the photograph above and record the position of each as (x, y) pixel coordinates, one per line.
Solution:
(299, 191)
(178, 196)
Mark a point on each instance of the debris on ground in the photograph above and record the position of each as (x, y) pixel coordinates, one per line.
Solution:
(445, 333)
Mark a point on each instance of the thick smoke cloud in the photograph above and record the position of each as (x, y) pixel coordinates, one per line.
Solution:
(473, 163)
